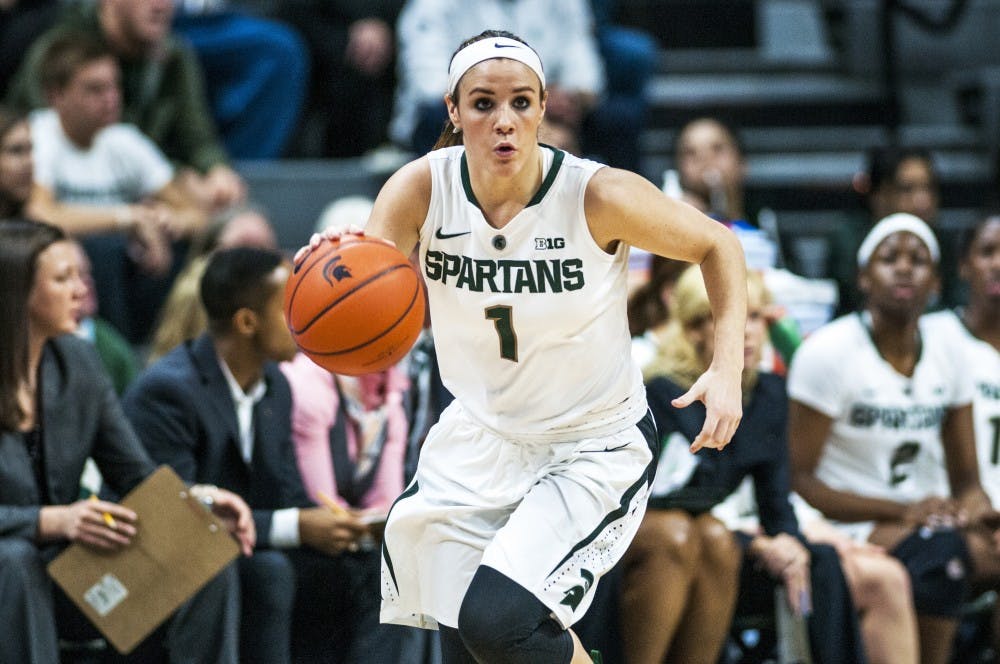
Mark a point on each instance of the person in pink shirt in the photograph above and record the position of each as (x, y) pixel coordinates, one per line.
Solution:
(349, 434)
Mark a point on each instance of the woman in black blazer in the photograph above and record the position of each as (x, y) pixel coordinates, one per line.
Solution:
(57, 408)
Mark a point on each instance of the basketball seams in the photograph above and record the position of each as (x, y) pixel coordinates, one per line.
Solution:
(361, 284)
(387, 330)
(336, 317)
(318, 258)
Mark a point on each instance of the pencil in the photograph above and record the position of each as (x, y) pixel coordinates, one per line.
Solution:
(108, 519)
(330, 503)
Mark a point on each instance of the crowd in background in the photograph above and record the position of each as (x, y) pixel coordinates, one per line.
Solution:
(861, 488)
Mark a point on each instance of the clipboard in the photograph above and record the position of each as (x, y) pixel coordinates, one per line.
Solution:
(178, 548)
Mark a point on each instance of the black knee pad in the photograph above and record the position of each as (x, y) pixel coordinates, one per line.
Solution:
(939, 566)
(500, 621)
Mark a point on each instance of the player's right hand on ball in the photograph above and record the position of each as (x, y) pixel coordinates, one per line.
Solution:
(331, 234)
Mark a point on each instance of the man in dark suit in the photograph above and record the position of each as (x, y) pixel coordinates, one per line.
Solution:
(40, 510)
(218, 410)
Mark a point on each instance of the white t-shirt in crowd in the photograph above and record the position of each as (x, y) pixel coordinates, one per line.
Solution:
(121, 166)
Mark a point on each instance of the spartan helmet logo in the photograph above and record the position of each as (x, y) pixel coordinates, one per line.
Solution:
(574, 595)
(334, 270)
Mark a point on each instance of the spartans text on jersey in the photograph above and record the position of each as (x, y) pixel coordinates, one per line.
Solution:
(505, 276)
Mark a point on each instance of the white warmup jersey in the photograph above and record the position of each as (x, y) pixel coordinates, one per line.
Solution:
(885, 441)
(982, 361)
(529, 320)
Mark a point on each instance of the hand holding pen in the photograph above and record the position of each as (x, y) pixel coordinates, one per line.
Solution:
(101, 524)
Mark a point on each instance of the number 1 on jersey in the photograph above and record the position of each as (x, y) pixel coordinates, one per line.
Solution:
(502, 317)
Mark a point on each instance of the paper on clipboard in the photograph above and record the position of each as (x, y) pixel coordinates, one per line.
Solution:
(179, 547)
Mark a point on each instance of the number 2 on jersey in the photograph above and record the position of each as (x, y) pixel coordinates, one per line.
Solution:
(502, 317)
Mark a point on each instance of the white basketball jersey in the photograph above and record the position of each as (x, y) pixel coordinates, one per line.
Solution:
(982, 361)
(885, 441)
(529, 320)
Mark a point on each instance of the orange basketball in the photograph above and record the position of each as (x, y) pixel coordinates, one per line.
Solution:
(354, 305)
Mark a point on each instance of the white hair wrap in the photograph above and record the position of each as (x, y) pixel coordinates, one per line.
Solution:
(487, 49)
(895, 223)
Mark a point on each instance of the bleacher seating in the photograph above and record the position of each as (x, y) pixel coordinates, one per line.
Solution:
(804, 81)
(295, 192)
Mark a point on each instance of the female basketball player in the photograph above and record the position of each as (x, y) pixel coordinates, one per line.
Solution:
(880, 427)
(977, 328)
(533, 482)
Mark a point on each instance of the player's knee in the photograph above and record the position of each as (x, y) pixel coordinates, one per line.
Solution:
(488, 627)
(500, 621)
(938, 566)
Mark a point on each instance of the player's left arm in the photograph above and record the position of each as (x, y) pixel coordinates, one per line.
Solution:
(624, 207)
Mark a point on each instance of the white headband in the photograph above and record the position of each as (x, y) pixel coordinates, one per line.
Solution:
(895, 223)
(487, 49)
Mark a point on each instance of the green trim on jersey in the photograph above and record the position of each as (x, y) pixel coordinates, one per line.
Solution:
(623, 507)
(385, 550)
(557, 160)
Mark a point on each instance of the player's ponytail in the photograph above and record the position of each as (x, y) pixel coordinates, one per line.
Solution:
(450, 136)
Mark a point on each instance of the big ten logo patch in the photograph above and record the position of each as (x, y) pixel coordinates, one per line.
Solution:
(543, 243)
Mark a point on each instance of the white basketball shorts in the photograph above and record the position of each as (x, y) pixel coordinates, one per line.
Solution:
(553, 517)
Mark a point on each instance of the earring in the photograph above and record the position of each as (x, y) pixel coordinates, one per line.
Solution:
(455, 130)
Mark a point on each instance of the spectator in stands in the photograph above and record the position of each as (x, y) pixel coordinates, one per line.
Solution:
(710, 164)
(182, 316)
(219, 410)
(108, 183)
(881, 431)
(561, 30)
(352, 46)
(256, 71)
(901, 180)
(57, 408)
(16, 163)
(712, 173)
(905, 179)
(116, 353)
(162, 88)
(678, 524)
